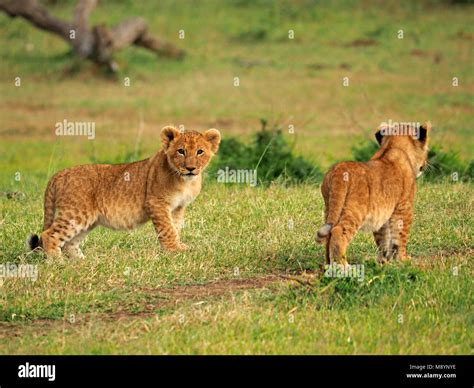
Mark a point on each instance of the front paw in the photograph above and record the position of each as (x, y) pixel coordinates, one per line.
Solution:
(341, 262)
(182, 247)
(381, 259)
(178, 247)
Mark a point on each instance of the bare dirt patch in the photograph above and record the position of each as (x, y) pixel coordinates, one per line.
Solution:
(361, 43)
(436, 56)
(176, 295)
(162, 298)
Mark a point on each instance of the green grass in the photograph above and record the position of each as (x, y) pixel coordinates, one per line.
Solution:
(118, 294)
(224, 234)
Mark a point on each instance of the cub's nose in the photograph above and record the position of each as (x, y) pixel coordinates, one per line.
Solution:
(190, 169)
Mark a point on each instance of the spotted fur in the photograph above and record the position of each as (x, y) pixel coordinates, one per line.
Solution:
(124, 196)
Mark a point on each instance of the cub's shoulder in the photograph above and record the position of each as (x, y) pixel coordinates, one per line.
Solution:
(351, 167)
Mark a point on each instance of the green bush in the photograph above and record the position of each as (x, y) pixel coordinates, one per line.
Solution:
(270, 154)
(363, 151)
(441, 163)
(445, 163)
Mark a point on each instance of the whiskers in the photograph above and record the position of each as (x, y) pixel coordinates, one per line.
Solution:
(429, 168)
(175, 172)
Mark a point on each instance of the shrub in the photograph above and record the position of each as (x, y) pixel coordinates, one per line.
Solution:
(270, 154)
(445, 163)
(441, 163)
(363, 151)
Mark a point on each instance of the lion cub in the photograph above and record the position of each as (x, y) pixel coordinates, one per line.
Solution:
(376, 196)
(124, 196)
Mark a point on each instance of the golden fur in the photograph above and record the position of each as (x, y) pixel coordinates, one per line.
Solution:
(376, 196)
(126, 195)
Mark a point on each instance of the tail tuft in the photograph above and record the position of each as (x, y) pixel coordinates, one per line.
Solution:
(34, 241)
(323, 232)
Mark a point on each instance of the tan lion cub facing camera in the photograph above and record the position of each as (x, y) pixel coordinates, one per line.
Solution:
(126, 195)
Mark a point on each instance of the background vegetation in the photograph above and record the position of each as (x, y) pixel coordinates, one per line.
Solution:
(231, 293)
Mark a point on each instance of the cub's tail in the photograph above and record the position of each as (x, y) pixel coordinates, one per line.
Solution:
(49, 203)
(335, 187)
(323, 233)
(34, 242)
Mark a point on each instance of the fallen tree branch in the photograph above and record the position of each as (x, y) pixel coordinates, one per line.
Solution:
(97, 43)
(37, 15)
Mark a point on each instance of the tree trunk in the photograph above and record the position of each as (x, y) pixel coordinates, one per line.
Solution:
(98, 43)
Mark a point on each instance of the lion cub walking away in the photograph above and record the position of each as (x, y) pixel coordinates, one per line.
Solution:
(124, 196)
(376, 196)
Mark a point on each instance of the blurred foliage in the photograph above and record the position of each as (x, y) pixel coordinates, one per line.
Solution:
(441, 163)
(270, 154)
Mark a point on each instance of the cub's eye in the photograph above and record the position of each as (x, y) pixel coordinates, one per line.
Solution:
(200, 152)
(181, 151)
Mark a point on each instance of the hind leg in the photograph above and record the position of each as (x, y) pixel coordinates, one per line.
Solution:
(400, 223)
(341, 236)
(384, 244)
(73, 247)
(328, 257)
(337, 245)
(65, 228)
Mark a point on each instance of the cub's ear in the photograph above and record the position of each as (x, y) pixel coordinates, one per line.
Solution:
(423, 132)
(379, 136)
(213, 136)
(167, 135)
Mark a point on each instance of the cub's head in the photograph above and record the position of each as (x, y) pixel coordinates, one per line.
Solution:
(411, 139)
(189, 153)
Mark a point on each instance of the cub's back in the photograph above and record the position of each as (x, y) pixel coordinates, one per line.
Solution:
(100, 183)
